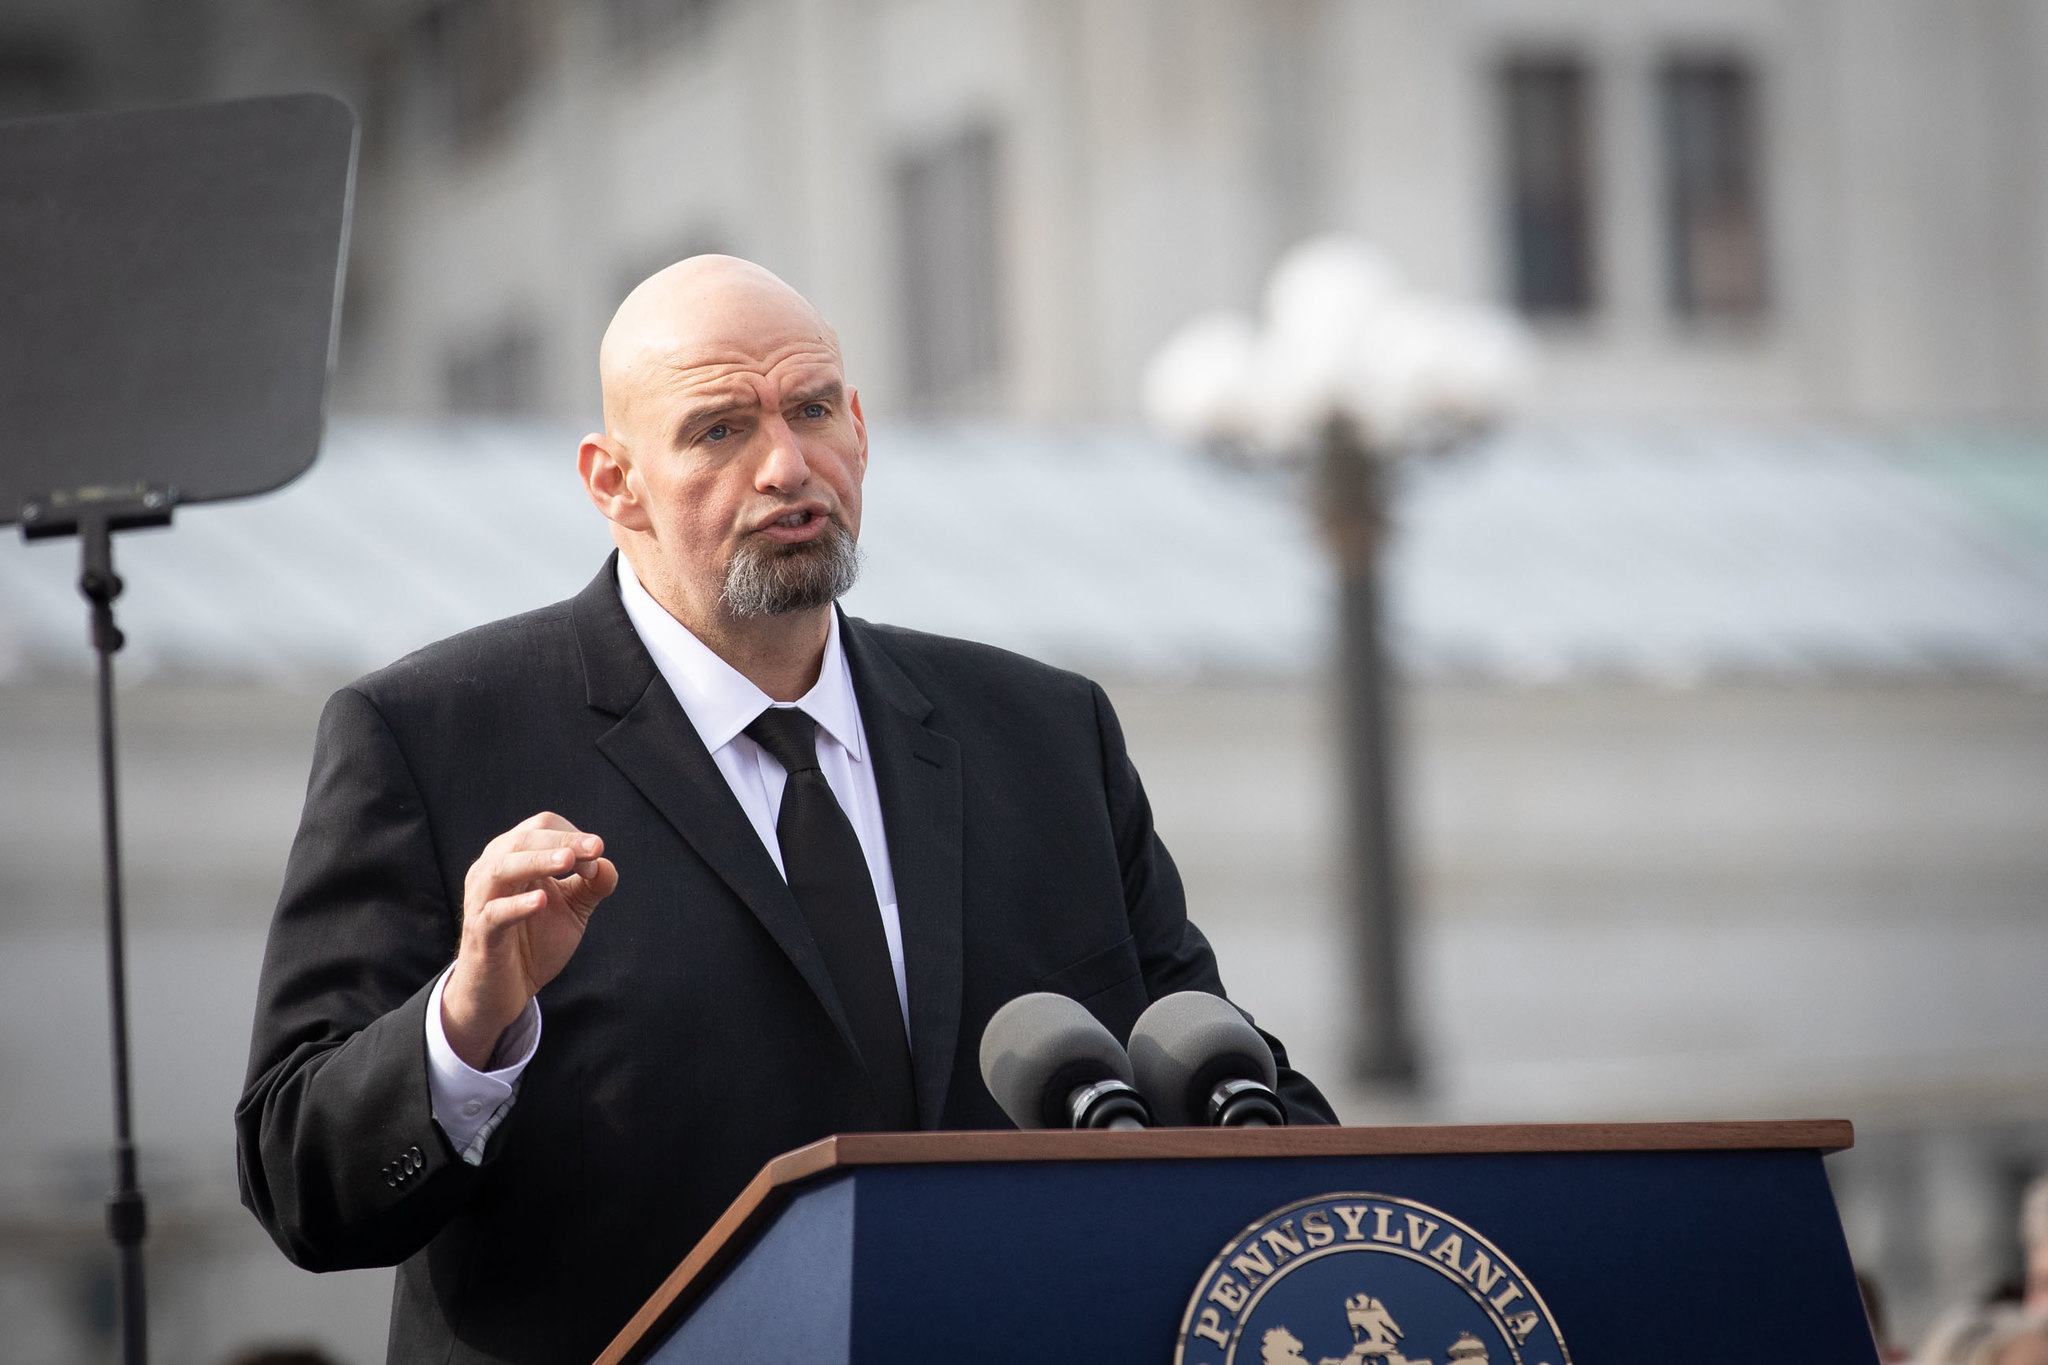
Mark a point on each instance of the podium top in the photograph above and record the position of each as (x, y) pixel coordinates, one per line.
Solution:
(766, 1193)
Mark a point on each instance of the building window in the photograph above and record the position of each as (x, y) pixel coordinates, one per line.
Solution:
(1714, 223)
(637, 25)
(480, 57)
(1548, 107)
(946, 199)
(496, 374)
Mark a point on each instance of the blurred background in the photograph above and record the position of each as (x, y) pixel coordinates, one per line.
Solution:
(1723, 763)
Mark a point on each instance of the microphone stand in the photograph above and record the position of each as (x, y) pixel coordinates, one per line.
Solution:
(93, 515)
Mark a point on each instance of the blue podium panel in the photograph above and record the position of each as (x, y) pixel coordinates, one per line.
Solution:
(1599, 1257)
(789, 1299)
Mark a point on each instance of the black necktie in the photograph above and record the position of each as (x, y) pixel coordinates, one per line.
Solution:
(828, 875)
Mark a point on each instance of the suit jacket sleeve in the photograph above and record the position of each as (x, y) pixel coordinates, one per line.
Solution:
(338, 1153)
(1172, 953)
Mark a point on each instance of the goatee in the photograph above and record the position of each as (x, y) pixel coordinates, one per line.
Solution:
(767, 579)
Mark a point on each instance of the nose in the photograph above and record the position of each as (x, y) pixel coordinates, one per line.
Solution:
(783, 468)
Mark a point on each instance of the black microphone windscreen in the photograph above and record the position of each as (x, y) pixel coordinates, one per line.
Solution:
(1041, 1043)
(1185, 1045)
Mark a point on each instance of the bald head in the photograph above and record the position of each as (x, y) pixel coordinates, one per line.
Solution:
(731, 462)
(698, 316)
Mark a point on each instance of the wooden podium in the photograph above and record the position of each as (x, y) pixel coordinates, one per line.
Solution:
(1605, 1244)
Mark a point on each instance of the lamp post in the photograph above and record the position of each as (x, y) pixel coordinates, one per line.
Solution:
(1350, 498)
(1349, 372)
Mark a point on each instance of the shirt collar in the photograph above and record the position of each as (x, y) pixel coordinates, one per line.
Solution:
(720, 700)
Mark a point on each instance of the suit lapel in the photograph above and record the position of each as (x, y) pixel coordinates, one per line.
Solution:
(661, 754)
(918, 778)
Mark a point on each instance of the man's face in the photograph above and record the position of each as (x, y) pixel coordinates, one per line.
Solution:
(743, 457)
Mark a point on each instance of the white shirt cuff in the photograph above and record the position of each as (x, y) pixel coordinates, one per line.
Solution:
(470, 1104)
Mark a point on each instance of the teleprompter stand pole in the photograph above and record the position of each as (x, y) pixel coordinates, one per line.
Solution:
(127, 1215)
(93, 515)
(196, 251)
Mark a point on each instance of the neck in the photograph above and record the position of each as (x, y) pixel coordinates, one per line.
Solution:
(781, 655)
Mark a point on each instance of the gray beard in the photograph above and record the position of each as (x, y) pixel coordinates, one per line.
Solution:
(764, 579)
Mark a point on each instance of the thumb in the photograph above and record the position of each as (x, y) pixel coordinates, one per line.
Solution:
(586, 889)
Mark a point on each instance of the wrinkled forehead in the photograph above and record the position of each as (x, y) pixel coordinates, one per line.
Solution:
(677, 384)
(669, 388)
(724, 338)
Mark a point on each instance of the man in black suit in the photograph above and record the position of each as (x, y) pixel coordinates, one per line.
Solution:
(764, 870)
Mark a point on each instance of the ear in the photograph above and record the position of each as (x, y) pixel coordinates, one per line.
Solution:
(860, 426)
(607, 467)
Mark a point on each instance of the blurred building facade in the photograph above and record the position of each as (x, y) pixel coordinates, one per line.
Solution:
(1770, 866)
(1775, 206)
(1784, 206)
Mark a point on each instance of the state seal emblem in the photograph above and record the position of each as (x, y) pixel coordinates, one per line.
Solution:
(1365, 1279)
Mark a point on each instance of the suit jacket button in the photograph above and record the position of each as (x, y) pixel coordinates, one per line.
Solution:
(412, 1154)
(391, 1177)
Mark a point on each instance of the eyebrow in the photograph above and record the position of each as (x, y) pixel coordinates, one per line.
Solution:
(833, 389)
(829, 389)
(696, 417)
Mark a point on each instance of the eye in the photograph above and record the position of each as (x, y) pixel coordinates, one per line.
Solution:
(717, 431)
(814, 411)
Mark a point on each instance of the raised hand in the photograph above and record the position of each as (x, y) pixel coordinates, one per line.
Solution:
(525, 902)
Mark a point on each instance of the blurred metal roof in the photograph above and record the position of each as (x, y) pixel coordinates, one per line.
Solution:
(1670, 552)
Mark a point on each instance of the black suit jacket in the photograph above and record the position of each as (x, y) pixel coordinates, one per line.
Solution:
(695, 1033)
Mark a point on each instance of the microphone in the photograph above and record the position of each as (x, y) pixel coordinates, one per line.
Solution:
(1051, 1065)
(1201, 1064)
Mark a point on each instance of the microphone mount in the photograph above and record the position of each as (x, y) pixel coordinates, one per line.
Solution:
(1109, 1103)
(1245, 1104)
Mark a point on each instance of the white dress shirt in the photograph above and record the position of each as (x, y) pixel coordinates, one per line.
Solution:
(720, 702)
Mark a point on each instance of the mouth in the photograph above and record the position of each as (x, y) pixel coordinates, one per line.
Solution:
(795, 525)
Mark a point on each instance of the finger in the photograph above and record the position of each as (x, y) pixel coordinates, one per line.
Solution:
(527, 833)
(505, 911)
(586, 863)
(519, 869)
(584, 845)
(548, 820)
(511, 837)
(586, 889)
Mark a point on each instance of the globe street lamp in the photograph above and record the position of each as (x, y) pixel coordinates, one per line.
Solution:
(1348, 371)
